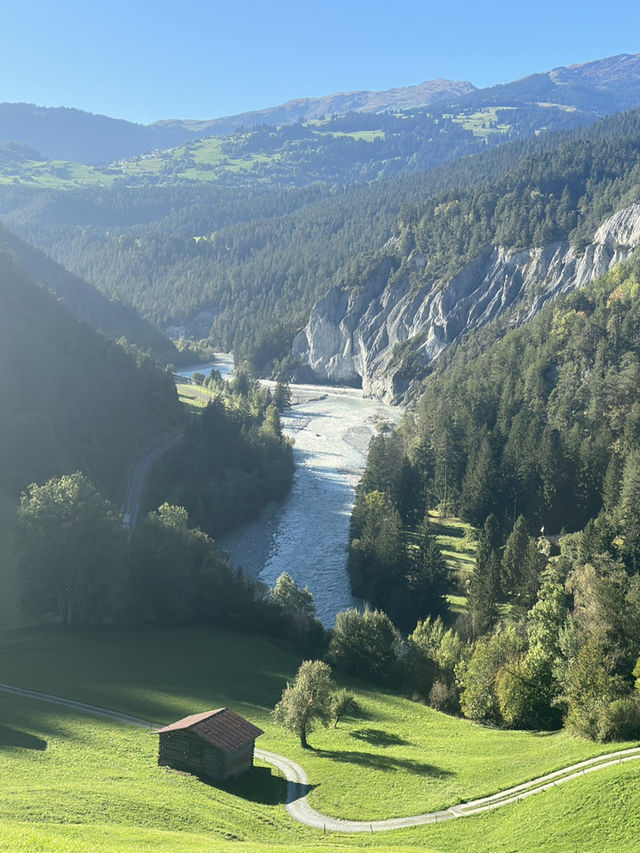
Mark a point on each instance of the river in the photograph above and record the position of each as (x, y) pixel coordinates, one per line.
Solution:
(307, 534)
(223, 364)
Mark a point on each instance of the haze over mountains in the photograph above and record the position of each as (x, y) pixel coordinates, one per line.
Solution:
(234, 239)
(305, 109)
(70, 134)
(589, 90)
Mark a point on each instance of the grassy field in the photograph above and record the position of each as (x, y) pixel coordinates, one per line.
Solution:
(193, 396)
(484, 122)
(456, 539)
(83, 781)
(57, 174)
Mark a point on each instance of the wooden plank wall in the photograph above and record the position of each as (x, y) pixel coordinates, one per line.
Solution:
(183, 750)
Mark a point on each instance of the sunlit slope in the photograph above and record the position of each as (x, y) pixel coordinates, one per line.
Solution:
(65, 771)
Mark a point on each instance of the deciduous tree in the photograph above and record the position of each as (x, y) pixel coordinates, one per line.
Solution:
(72, 559)
(306, 700)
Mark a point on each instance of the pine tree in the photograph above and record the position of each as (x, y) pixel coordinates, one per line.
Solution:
(479, 484)
(428, 575)
(630, 508)
(514, 556)
(529, 581)
(484, 587)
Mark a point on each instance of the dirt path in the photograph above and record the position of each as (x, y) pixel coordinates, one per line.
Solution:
(299, 808)
(133, 497)
(297, 783)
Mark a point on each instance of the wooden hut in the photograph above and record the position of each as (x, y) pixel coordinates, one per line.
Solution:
(216, 744)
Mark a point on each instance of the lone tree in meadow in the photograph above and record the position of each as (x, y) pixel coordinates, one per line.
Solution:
(306, 700)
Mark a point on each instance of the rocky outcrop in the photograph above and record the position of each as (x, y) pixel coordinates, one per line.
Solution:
(352, 336)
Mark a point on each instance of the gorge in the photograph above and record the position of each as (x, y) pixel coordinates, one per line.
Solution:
(352, 335)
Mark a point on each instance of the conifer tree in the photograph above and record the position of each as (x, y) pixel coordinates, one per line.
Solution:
(428, 575)
(630, 508)
(514, 556)
(484, 587)
(479, 484)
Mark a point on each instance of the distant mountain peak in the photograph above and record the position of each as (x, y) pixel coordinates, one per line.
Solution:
(595, 88)
(305, 109)
(600, 72)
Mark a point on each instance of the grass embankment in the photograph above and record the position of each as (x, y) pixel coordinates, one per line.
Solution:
(84, 781)
(194, 397)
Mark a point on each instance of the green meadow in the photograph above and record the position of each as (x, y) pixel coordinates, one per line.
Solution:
(484, 122)
(71, 781)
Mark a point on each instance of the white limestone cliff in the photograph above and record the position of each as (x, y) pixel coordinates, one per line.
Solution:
(351, 335)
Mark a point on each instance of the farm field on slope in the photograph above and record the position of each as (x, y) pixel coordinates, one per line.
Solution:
(176, 812)
(396, 758)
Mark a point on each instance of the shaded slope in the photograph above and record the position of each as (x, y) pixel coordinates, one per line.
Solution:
(86, 302)
(70, 398)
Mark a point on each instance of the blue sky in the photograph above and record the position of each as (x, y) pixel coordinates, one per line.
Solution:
(145, 61)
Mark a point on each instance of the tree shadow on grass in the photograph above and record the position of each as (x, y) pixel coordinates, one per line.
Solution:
(10, 737)
(439, 529)
(378, 737)
(385, 763)
(258, 785)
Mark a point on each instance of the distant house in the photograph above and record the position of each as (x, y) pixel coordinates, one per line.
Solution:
(216, 744)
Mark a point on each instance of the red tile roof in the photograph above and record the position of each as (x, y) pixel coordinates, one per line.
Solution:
(222, 727)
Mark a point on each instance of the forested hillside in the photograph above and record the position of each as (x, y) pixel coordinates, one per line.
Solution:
(70, 134)
(250, 258)
(538, 420)
(70, 398)
(461, 257)
(233, 460)
(110, 316)
(531, 430)
(563, 193)
(246, 265)
(78, 411)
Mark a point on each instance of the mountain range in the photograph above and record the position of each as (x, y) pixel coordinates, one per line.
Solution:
(61, 133)
(400, 227)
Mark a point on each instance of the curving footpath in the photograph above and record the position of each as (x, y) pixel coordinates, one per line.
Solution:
(297, 783)
(131, 505)
(299, 808)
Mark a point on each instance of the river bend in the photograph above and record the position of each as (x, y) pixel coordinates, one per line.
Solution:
(307, 534)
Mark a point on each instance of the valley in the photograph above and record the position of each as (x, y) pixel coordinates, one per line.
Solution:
(326, 413)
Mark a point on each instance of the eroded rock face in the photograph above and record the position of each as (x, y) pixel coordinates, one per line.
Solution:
(351, 335)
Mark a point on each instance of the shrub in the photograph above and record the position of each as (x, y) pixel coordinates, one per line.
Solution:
(442, 697)
(620, 720)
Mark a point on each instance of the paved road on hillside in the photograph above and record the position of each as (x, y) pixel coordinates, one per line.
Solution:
(297, 783)
(131, 505)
